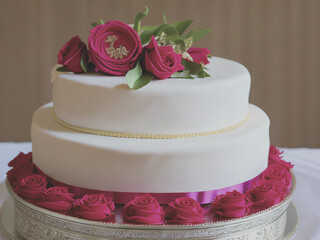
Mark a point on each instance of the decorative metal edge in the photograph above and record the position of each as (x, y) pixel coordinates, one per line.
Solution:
(150, 135)
(100, 229)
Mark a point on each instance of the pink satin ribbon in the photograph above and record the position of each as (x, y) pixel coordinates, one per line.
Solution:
(204, 197)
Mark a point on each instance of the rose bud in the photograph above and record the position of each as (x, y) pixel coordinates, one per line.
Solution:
(57, 199)
(199, 55)
(279, 173)
(71, 53)
(114, 47)
(276, 158)
(264, 194)
(144, 209)
(185, 211)
(32, 187)
(230, 205)
(161, 61)
(93, 207)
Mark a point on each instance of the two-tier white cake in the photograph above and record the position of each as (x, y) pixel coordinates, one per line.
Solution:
(172, 136)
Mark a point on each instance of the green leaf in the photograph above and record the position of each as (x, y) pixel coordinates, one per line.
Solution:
(164, 17)
(181, 26)
(101, 21)
(137, 21)
(194, 68)
(150, 27)
(171, 33)
(136, 79)
(61, 69)
(183, 74)
(189, 34)
(200, 33)
(145, 36)
(83, 63)
(94, 24)
(203, 74)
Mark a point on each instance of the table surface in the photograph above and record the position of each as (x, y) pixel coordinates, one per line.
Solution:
(306, 198)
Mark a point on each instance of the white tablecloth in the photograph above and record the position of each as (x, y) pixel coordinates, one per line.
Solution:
(306, 198)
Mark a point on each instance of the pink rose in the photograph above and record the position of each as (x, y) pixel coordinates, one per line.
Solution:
(278, 173)
(71, 53)
(144, 209)
(22, 167)
(93, 207)
(32, 187)
(199, 55)
(162, 61)
(57, 199)
(264, 194)
(230, 205)
(185, 210)
(276, 158)
(114, 47)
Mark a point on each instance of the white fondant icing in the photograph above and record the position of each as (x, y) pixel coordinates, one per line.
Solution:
(169, 106)
(149, 165)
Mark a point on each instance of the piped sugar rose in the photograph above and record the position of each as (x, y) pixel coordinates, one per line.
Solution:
(22, 167)
(264, 194)
(32, 187)
(114, 47)
(93, 207)
(230, 205)
(71, 53)
(278, 173)
(161, 61)
(185, 211)
(57, 199)
(144, 209)
(199, 55)
(276, 158)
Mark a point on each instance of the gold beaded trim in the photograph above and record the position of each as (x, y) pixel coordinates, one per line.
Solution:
(148, 136)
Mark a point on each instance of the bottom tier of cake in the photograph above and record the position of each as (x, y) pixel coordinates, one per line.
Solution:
(151, 165)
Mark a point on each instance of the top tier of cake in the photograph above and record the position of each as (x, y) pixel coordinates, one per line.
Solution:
(171, 106)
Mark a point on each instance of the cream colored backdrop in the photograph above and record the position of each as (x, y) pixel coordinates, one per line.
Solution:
(277, 40)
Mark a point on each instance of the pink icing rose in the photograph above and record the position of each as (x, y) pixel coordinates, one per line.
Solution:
(185, 210)
(276, 158)
(22, 167)
(199, 55)
(32, 187)
(278, 173)
(57, 199)
(230, 205)
(93, 207)
(71, 53)
(114, 47)
(264, 194)
(144, 209)
(161, 61)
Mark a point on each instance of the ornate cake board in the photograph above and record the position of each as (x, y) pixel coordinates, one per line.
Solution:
(7, 221)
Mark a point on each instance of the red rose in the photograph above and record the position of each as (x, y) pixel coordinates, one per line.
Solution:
(162, 61)
(114, 47)
(185, 211)
(57, 199)
(279, 173)
(22, 167)
(144, 209)
(71, 53)
(199, 55)
(93, 207)
(230, 205)
(264, 194)
(276, 158)
(32, 187)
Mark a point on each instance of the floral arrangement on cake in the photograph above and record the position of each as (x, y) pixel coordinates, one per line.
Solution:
(141, 53)
(268, 189)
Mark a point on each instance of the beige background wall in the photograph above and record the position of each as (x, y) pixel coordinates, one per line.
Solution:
(277, 40)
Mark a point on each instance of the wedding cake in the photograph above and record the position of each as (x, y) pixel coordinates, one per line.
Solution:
(142, 122)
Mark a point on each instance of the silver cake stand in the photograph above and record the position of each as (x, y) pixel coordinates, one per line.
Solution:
(22, 220)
